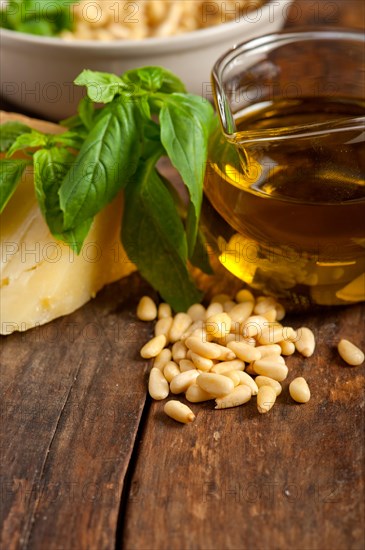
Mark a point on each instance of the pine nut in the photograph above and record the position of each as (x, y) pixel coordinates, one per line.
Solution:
(158, 386)
(200, 333)
(171, 370)
(186, 364)
(246, 380)
(215, 384)
(153, 347)
(236, 329)
(241, 312)
(164, 311)
(274, 334)
(233, 375)
(179, 351)
(220, 299)
(244, 295)
(228, 306)
(180, 324)
(253, 326)
(226, 354)
(351, 354)
(280, 312)
(213, 309)
(162, 359)
(292, 336)
(271, 349)
(299, 390)
(266, 381)
(193, 330)
(287, 347)
(146, 309)
(179, 412)
(270, 315)
(218, 325)
(236, 338)
(265, 305)
(195, 394)
(226, 366)
(305, 343)
(228, 338)
(249, 341)
(201, 363)
(277, 371)
(209, 349)
(163, 327)
(196, 312)
(275, 359)
(266, 398)
(182, 381)
(244, 351)
(239, 396)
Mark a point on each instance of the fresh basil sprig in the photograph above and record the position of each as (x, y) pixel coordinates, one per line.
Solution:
(147, 114)
(37, 16)
(10, 131)
(11, 171)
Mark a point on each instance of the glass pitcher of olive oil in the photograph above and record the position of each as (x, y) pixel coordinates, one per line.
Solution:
(284, 203)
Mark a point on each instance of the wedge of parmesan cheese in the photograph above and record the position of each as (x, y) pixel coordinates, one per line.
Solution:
(42, 278)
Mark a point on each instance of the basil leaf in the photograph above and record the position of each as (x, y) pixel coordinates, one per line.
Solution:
(185, 126)
(153, 79)
(108, 157)
(101, 87)
(40, 28)
(10, 174)
(146, 78)
(24, 141)
(72, 122)
(30, 17)
(86, 112)
(50, 168)
(144, 108)
(69, 139)
(9, 132)
(200, 257)
(171, 83)
(154, 238)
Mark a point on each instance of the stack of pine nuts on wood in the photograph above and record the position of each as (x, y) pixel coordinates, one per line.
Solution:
(215, 353)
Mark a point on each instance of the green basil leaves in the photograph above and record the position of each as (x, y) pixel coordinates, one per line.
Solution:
(146, 115)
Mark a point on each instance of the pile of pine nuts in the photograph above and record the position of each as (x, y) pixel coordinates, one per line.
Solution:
(230, 351)
(139, 19)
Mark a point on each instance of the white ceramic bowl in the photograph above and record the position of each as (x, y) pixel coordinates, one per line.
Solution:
(37, 73)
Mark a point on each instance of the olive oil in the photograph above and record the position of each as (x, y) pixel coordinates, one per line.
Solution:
(285, 199)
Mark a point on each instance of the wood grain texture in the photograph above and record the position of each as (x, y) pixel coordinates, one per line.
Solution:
(73, 394)
(237, 480)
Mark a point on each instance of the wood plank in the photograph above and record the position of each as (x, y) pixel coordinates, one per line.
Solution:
(73, 394)
(236, 479)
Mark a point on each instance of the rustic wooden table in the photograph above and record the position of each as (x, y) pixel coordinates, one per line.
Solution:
(90, 463)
